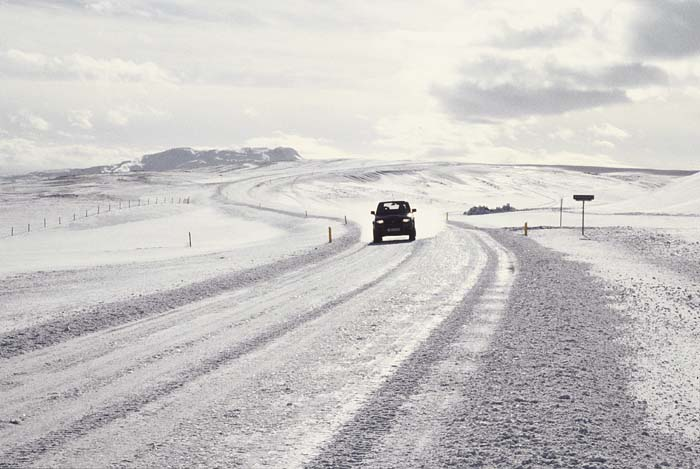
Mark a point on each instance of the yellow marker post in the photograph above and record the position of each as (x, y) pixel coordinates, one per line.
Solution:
(525, 228)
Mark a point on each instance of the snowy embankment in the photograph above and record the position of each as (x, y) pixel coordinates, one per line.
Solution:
(133, 252)
(124, 237)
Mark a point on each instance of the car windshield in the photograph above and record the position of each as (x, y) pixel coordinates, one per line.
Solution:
(393, 208)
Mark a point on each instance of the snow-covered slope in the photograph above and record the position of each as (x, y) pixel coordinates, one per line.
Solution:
(681, 196)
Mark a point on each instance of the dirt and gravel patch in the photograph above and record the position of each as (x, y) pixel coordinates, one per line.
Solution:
(665, 248)
(658, 292)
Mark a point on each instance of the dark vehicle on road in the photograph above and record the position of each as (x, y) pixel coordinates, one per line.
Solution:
(394, 218)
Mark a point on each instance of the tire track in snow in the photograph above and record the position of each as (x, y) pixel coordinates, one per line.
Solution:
(554, 392)
(325, 369)
(358, 439)
(27, 453)
(100, 317)
(418, 429)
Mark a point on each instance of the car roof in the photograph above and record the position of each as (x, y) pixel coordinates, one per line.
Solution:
(393, 202)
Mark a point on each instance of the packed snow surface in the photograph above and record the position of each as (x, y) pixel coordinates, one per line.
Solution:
(264, 344)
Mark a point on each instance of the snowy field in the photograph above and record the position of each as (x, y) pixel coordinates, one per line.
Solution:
(263, 344)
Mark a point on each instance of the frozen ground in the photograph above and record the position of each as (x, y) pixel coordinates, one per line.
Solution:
(265, 345)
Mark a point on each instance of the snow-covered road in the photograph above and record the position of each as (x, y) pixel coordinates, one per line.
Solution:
(266, 372)
(469, 347)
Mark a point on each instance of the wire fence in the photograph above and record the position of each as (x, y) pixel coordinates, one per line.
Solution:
(109, 207)
(119, 205)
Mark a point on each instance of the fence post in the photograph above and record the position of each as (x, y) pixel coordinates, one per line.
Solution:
(120, 205)
(29, 227)
(189, 234)
(86, 213)
(447, 216)
(74, 217)
(59, 220)
(12, 231)
(330, 235)
(44, 222)
(525, 228)
(98, 209)
(346, 219)
(129, 204)
(561, 209)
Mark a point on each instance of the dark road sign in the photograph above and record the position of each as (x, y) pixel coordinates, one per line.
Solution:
(583, 199)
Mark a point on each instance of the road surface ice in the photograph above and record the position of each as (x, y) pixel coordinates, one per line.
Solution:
(264, 345)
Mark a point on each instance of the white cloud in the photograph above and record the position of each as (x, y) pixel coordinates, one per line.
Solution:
(251, 112)
(118, 117)
(18, 155)
(609, 131)
(29, 121)
(562, 134)
(32, 65)
(81, 118)
(435, 136)
(26, 59)
(604, 144)
(430, 134)
(122, 115)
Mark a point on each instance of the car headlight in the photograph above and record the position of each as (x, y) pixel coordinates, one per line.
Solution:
(406, 220)
(379, 222)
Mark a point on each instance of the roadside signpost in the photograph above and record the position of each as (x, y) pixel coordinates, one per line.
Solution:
(583, 199)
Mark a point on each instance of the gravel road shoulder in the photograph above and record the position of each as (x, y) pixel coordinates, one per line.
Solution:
(553, 390)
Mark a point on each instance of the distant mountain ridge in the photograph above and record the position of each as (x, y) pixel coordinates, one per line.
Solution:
(189, 158)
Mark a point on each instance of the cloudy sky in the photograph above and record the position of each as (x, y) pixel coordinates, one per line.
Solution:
(85, 82)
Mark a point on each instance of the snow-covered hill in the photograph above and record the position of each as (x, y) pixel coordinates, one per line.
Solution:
(681, 196)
